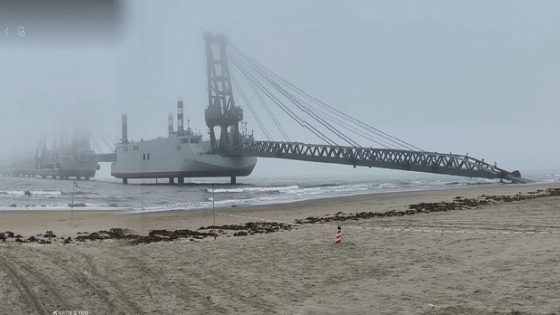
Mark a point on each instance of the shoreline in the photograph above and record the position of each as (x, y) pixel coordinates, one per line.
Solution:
(304, 202)
(70, 222)
(253, 203)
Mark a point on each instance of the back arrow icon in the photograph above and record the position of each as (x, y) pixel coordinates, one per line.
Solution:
(6, 31)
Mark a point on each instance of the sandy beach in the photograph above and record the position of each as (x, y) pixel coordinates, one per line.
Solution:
(491, 259)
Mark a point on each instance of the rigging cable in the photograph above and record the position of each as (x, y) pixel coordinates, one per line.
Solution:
(282, 106)
(306, 110)
(363, 125)
(269, 111)
(251, 109)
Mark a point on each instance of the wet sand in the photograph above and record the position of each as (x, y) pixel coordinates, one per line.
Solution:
(499, 258)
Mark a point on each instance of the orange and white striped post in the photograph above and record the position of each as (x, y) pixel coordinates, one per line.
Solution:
(338, 236)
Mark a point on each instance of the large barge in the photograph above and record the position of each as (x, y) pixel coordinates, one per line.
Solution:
(183, 153)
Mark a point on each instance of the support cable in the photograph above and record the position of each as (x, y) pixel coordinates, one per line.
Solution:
(282, 106)
(306, 110)
(251, 109)
(353, 129)
(331, 108)
(310, 111)
(269, 111)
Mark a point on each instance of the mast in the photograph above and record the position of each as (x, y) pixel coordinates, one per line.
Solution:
(170, 123)
(124, 130)
(221, 111)
(180, 128)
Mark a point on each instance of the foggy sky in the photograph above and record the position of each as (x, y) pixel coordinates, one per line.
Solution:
(475, 77)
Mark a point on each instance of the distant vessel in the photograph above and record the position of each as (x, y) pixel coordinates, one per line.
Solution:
(67, 161)
(181, 154)
(64, 161)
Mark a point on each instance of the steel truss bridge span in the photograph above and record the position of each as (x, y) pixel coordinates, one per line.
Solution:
(419, 161)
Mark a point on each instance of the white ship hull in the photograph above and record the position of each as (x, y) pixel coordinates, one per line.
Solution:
(184, 156)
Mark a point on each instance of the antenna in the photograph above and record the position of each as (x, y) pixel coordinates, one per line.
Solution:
(170, 123)
(124, 129)
(180, 129)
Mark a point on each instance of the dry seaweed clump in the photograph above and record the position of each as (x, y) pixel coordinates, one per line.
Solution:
(166, 236)
(251, 228)
(153, 236)
(114, 233)
(6, 235)
(39, 239)
(459, 203)
(158, 235)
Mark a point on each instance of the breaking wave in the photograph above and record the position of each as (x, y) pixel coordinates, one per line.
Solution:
(99, 195)
(33, 192)
(255, 189)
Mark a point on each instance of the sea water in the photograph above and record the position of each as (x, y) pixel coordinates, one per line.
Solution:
(145, 195)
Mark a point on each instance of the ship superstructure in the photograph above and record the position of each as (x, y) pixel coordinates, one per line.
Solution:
(181, 154)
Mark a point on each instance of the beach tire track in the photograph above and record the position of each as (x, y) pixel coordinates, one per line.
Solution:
(186, 293)
(78, 276)
(231, 288)
(20, 280)
(83, 279)
(121, 293)
(53, 292)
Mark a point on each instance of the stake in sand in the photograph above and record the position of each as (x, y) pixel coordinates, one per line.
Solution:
(338, 236)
